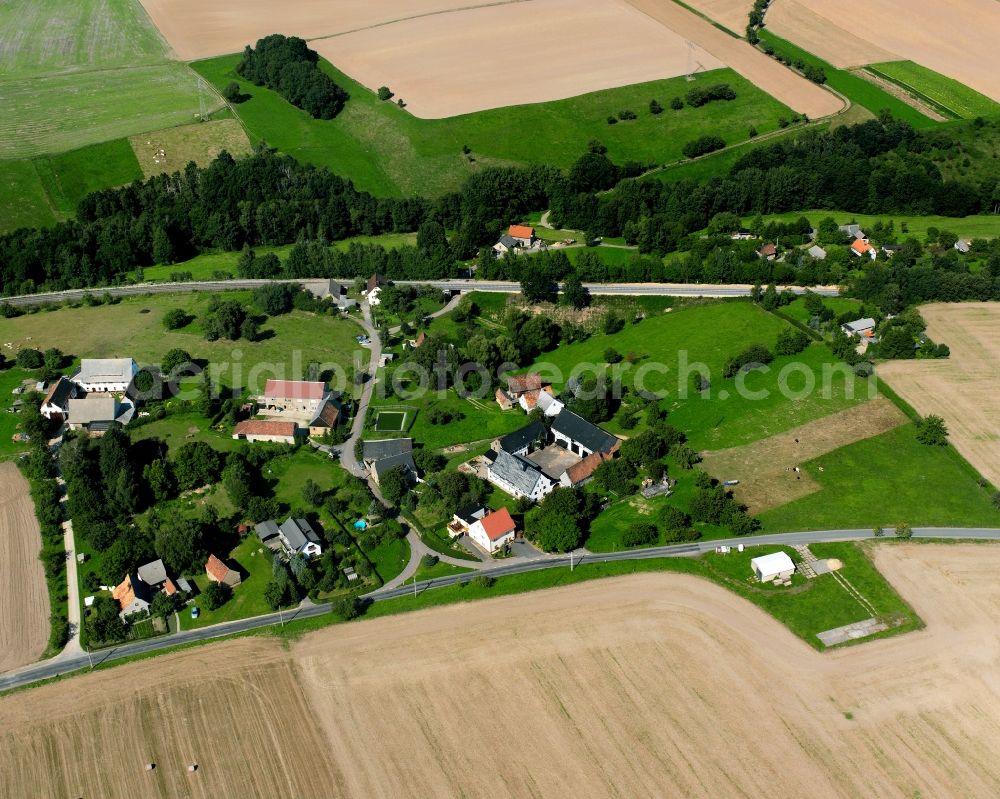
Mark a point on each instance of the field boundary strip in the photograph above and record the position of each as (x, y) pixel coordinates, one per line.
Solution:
(919, 95)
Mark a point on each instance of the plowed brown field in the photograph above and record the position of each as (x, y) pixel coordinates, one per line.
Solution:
(24, 598)
(648, 685)
(964, 389)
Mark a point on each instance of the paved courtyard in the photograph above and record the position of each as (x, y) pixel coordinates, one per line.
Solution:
(554, 460)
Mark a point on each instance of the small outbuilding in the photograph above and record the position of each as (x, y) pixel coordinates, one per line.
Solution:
(776, 566)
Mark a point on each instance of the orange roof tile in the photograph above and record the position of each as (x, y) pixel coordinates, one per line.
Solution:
(294, 389)
(521, 231)
(861, 246)
(498, 524)
(583, 469)
(261, 427)
(216, 569)
(519, 384)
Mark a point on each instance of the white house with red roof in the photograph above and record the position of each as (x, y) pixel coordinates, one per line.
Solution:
(271, 430)
(524, 235)
(862, 249)
(494, 530)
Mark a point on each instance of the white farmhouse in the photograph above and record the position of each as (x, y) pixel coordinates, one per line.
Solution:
(493, 531)
(105, 375)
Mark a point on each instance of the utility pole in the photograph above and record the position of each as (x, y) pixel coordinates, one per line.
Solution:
(571, 561)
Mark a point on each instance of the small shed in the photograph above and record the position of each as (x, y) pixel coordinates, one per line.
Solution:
(776, 566)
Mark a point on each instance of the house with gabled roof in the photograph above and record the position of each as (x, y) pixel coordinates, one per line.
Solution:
(298, 537)
(518, 476)
(218, 572)
(581, 472)
(269, 430)
(106, 375)
(56, 403)
(862, 249)
(524, 441)
(133, 595)
(581, 437)
(94, 413)
(524, 235)
(493, 530)
(768, 252)
(465, 517)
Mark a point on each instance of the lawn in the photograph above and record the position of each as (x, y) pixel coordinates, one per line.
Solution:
(385, 150)
(59, 112)
(797, 308)
(947, 95)
(985, 226)
(66, 35)
(23, 200)
(884, 481)
(707, 335)
(252, 559)
(38, 192)
(479, 420)
(9, 422)
(859, 90)
(439, 569)
(390, 421)
(134, 328)
(806, 608)
(389, 558)
(203, 267)
(178, 429)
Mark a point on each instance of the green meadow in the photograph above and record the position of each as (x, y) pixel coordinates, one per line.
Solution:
(945, 94)
(386, 150)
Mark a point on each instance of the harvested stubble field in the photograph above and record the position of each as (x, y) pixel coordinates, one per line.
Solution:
(765, 468)
(963, 389)
(24, 600)
(731, 14)
(957, 39)
(550, 48)
(613, 687)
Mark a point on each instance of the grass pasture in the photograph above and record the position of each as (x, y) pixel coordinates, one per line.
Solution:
(200, 142)
(67, 35)
(984, 226)
(23, 199)
(952, 98)
(857, 89)
(390, 421)
(134, 328)
(885, 480)
(55, 113)
(384, 149)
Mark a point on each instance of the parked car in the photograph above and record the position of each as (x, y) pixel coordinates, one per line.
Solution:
(195, 613)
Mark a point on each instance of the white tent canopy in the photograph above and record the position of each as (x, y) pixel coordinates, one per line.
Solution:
(767, 567)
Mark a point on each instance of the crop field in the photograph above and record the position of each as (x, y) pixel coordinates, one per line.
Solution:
(348, 711)
(170, 150)
(134, 328)
(53, 113)
(887, 480)
(731, 14)
(23, 201)
(24, 600)
(953, 98)
(963, 389)
(67, 35)
(957, 39)
(766, 468)
(386, 150)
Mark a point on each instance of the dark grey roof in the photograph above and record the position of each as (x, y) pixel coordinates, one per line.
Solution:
(519, 472)
(404, 459)
(583, 432)
(153, 573)
(519, 439)
(298, 532)
(508, 241)
(62, 392)
(471, 513)
(387, 448)
(266, 530)
(141, 589)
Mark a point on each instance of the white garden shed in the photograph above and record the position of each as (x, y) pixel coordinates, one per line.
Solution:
(776, 566)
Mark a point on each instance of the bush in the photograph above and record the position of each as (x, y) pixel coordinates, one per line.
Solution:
(931, 430)
(626, 114)
(676, 103)
(216, 595)
(755, 354)
(703, 145)
(346, 608)
(175, 318)
(640, 534)
(611, 355)
(483, 581)
(384, 93)
(700, 96)
(29, 358)
(655, 108)
(232, 92)
(429, 561)
(791, 342)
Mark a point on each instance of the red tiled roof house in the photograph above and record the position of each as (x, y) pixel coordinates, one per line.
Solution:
(493, 530)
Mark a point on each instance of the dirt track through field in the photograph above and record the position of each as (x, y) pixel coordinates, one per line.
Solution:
(963, 389)
(956, 38)
(24, 598)
(616, 687)
(766, 468)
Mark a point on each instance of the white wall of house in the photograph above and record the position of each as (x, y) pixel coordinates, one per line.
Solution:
(478, 534)
(262, 437)
(572, 445)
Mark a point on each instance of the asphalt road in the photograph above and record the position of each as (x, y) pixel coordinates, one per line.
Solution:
(60, 666)
(650, 289)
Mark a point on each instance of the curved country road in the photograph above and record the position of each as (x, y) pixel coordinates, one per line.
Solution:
(49, 669)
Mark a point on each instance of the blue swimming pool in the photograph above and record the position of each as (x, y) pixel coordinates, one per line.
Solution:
(360, 524)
